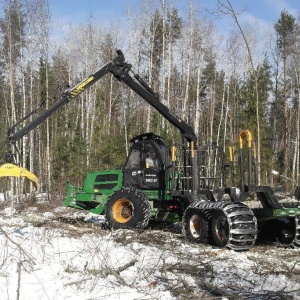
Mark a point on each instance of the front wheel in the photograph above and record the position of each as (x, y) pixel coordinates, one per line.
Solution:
(127, 208)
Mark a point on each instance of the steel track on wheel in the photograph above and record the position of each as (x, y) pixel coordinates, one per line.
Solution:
(241, 220)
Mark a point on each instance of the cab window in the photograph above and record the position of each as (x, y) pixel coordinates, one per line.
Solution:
(134, 160)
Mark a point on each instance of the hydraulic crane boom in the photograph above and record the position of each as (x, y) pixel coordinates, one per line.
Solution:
(120, 69)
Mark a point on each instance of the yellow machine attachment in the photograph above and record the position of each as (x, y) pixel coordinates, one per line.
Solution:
(11, 170)
(245, 135)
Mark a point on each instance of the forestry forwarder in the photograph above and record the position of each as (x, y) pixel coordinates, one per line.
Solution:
(171, 190)
(131, 196)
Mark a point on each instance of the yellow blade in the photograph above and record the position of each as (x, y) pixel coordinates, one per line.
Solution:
(11, 170)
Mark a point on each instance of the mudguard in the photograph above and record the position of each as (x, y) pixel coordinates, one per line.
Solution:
(11, 170)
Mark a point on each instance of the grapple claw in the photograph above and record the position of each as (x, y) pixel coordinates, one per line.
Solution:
(11, 170)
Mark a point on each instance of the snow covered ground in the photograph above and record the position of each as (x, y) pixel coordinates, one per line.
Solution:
(67, 254)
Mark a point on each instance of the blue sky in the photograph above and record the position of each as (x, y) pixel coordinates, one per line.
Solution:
(77, 11)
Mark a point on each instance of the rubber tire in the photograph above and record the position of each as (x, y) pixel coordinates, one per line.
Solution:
(139, 205)
(198, 232)
(218, 240)
(286, 230)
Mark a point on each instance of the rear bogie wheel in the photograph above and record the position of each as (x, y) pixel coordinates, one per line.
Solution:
(195, 226)
(282, 231)
(286, 230)
(127, 208)
(220, 229)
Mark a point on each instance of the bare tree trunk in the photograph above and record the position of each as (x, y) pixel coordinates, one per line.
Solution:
(258, 154)
(163, 88)
(92, 129)
(226, 116)
(198, 105)
(297, 153)
(295, 167)
(24, 140)
(212, 111)
(188, 63)
(11, 66)
(286, 130)
(11, 70)
(110, 104)
(222, 112)
(48, 159)
(43, 29)
(148, 108)
(170, 67)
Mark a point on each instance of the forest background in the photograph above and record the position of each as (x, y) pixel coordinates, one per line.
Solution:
(219, 84)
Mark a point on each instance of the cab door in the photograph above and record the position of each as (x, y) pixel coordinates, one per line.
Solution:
(154, 170)
(139, 172)
(133, 172)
